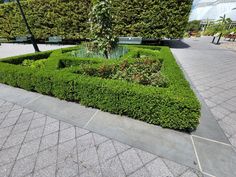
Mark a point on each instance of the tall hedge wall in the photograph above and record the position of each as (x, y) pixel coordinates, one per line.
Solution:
(69, 18)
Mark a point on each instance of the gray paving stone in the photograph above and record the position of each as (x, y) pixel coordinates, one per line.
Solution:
(14, 139)
(218, 115)
(2, 141)
(140, 173)
(233, 140)
(26, 117)
(46, 172)
(85, 142)
(145, 156)
(130, 161)
(49, 141)
(81, 131)
(5, 170)
(5, 108)
(228, 125)
(94, 172)
(9, 122)
(25, 110)
(46, 158)
(154, 139)
(2, 102)
(158, 168)
(2, 116)
(112, 168)
(23, 166)
(106, 151)
(17, 107)
(88, 159)
(34, 134)
(175, 168)
(64, 125)
(50, 120)
(120, 147)
(19, 128)
(67, 151)
(63, 110)
(17, 96)
(38, 115)
(51, 128)
(67, 134)
(99, 138)
(29, 148)
(8, 155)
(5, 131)
(37, 123)
(191, 173)
(215, 158)
(67, 169)
(15, 113)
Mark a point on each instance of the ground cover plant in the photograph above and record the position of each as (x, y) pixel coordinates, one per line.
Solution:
(145, 83)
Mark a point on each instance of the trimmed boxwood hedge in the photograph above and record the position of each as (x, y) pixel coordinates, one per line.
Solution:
(173, 107)
(70, 18)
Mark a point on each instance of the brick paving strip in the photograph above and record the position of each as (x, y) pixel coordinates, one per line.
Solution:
(208, 150)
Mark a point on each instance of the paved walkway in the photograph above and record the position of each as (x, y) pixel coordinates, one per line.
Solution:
(212, 71)
(8, 50)
(33, 144)
(65, 151)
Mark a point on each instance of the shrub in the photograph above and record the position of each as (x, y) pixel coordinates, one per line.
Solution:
(174, 106)
(194, 26)
(69, 19)
(35, 64)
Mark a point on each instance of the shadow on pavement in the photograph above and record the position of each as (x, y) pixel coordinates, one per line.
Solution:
(175, 44)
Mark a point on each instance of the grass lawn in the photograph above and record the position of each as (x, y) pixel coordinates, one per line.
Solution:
(145, 83)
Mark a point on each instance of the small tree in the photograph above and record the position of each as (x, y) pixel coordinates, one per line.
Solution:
(101, 26)
(224, 22)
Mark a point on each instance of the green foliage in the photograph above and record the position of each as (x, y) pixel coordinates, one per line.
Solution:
(143, 71)
(151, 18)
(85, 51)
(174, 106)
(223, 25)
(35, 64)
(69, 19)
(194, 26)
(102, 27)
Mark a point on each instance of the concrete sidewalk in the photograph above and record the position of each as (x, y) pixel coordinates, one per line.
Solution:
(9, 50)
(211, 70)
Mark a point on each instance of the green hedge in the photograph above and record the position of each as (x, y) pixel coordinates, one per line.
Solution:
(173, 107)
(69, 19)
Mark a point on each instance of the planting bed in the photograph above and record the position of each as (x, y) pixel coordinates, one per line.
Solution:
(145, 83)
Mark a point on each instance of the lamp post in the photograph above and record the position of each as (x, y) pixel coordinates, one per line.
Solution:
(28, 28)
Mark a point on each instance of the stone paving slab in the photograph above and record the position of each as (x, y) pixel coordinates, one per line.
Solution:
(65, 150)
(223, 156)
(168, 143)
(72, 111)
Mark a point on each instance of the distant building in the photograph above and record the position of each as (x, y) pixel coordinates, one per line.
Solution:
(205, 10)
